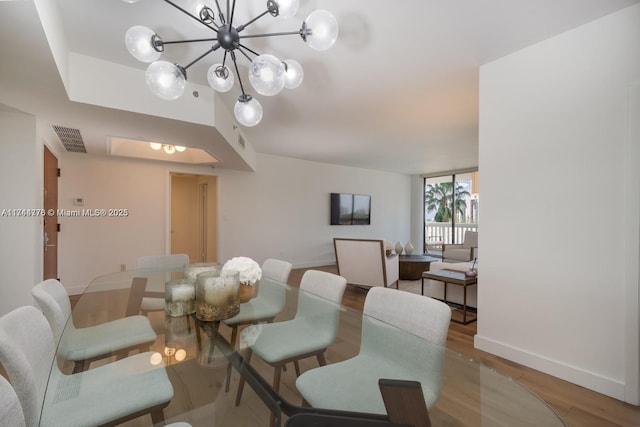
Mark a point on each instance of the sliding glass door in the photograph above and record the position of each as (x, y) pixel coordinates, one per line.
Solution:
(451, 207)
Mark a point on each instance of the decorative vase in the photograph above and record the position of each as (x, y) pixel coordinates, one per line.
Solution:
(247, 291)
(408, 248)
(180, 297)
(217, 295)
(399, 248)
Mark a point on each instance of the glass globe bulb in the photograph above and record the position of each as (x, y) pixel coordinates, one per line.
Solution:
(138, 42)
(165, 80)
(220, 78)
(288, 8)
(155, 145)
(248, 111)
(266, 75)
(180, 148)
(293, 75)
(169, 149)
(323, 29)
(181, 354)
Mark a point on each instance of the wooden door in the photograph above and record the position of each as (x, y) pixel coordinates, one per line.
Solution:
(50, 204)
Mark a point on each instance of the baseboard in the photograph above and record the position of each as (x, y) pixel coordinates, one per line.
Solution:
(573, 374)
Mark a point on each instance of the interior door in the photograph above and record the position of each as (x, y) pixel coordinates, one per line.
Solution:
(50, 227)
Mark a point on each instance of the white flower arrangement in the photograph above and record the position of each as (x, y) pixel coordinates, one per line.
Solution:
(250, 271)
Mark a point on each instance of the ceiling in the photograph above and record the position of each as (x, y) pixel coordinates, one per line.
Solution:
(397, 92)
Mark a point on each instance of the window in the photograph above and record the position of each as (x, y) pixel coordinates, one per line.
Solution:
(451, 207)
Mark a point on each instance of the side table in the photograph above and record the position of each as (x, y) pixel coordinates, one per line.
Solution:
(455, 278)
(412, 266)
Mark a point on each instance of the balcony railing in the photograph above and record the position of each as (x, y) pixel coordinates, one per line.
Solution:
(437, 233)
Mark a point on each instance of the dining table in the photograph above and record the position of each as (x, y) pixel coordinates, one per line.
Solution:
(197, 354)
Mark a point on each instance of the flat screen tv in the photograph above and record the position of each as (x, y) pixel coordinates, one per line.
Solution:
(350, 209)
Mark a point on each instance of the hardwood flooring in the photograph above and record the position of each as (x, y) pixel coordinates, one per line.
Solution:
(577, 405)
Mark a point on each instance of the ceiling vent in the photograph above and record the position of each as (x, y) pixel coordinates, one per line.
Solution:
(71, 139)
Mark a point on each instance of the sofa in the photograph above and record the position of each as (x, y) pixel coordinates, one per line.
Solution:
(435, 288)
(365, 263)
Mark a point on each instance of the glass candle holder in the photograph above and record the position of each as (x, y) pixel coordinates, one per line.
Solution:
(217, 295)
(191, 271)
(180, 297)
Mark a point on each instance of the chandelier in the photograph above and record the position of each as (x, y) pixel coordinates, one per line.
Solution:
(267, 74)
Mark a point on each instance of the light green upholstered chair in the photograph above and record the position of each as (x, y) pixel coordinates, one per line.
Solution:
(158, 263)
(85, 345)
(403, 338)
(10, 409)
(266, 305)
(308, 334)
(112, 393)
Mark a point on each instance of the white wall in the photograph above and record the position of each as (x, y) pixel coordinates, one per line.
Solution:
(21, 248)
(281, 210)
(556, 204)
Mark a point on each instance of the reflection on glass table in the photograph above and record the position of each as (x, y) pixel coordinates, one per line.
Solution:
(196, 355)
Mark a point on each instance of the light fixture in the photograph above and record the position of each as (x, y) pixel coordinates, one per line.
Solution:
(268, 75)
(167, 148)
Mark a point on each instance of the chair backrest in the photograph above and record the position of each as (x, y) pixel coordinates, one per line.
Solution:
(422, 316)
(470, 239)
(151, 263)
(10, 409)
(53, 300)
(276, 269)
(27, 353)
(323, 284)
(363, 262)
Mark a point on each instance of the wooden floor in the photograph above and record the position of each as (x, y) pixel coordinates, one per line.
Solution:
(577, 405)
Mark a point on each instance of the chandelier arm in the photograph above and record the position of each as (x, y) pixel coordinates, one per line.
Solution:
(235, 65)
(190, 15)
(242, 49)
(213, 49)
(243, 26)
(287, 33)
(220, 14)
(232, 13)
(190, 41)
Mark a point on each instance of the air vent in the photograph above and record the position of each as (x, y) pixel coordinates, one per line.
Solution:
(241, 141)
(71, 139)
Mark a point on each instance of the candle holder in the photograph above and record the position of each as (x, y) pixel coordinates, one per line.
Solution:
(180, 297)
(191, 271)
(217, 295)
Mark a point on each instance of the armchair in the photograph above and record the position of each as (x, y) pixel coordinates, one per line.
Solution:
(363, 262)
(466, 251)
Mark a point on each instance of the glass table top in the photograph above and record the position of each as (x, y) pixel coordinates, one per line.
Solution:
(196, 355)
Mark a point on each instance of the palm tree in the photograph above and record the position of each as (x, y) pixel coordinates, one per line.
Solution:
(438, 198)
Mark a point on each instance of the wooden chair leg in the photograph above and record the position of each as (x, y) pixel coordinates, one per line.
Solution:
(157, 417)
(234, 338)
(296, 365)
(247, 358)
(321, 359)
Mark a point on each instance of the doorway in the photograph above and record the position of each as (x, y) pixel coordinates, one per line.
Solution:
(50, 219)
(194, 216)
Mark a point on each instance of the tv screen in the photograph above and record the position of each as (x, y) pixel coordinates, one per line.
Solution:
(350, 209)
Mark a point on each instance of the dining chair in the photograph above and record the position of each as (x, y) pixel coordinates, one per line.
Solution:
(109, 394)
(154, 301)
(85, 345)
(403, 338)
(313, 328)
(10, 410)
(266, 305)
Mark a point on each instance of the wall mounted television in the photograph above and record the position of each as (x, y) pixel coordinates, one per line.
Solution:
(350, 209)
